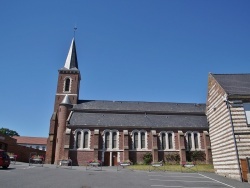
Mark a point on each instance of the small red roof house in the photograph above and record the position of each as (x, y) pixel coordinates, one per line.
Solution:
(32, 142)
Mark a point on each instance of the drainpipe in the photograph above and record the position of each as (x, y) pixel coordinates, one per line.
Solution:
(235, 144)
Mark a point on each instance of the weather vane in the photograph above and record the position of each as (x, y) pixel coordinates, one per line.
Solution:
(75, 28)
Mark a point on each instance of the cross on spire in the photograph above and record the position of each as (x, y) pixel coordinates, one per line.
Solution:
(75, 28)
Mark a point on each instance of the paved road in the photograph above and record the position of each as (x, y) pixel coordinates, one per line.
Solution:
(22, 175)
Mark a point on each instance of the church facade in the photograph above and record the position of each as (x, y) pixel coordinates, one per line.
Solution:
(115, 131)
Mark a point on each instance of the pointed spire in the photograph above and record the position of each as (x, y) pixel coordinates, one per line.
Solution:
(71, 61)
(66, 100)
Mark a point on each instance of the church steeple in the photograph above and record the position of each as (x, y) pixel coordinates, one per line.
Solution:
(71, 60)
(67, 93)
(69, 77)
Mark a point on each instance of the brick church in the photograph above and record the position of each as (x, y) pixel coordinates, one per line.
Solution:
(114, 131)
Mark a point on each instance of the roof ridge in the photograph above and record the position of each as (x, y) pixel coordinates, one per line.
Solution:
(140, 102)
(232, 74)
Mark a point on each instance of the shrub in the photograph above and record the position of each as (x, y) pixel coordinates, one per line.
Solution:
(196, 156)
(173, 158)
(147, 158)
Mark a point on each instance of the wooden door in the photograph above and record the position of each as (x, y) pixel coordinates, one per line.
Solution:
(244, 170)
(106, 158)
(114, 159)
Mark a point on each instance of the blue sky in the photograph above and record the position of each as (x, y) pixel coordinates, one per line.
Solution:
(140, 50)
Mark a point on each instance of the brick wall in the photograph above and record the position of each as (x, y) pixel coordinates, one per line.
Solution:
(80, 158)
(22, 152)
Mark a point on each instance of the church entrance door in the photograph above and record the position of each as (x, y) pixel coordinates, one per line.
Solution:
(114, 161)
(110, 158)
(107, 159)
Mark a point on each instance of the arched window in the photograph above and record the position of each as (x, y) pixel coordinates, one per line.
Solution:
(110, 139)
(136, 140)
(192, 140)
(143, 143)
(139, 139)
(78, 139)
(67, 85)
(82, 138)
(86, 140)
(166, 140)
(114, 140)
(196, 145)
(189, 141)
(163, 143)
(170, 141)
(107, 137)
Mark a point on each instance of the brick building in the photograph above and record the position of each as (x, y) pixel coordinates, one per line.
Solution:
(32, 142)
(10, 145)
(114, 131)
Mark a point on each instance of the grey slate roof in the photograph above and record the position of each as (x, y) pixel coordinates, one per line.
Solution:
(137, 107)
(137, 120)
(71, 60)
(138, 114)
(234, 84)
(66, 100)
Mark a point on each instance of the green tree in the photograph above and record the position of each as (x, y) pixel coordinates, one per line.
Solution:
(8, 132)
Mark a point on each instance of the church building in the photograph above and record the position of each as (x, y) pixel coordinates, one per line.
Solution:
(115, 131)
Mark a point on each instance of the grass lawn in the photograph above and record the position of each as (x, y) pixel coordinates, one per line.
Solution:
(175, 168)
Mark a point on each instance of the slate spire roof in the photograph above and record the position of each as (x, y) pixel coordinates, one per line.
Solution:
(234, 84)
(71, 60)
(66, 100)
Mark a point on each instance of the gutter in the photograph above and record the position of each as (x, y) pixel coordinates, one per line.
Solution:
(235, 144)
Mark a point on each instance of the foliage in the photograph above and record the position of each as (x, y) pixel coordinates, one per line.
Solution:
(147, 158)
(173, 158)
(196, 156)
(8, 132)
(125, 162)
(37, 157)
(175, 168)
(94, 161)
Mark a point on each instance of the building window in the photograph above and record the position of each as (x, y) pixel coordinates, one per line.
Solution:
(192, 141)
(170, 141)
(166, 140)
(110, 139)
(163, 143)
(136, 140)
(139, 139)
(114, 140)
(189, 141)
(82, 138)
(143, 146)
(247, 112)
(196, 143)
(86, 139)
(67, 85)
(78, 139)
(107, 137)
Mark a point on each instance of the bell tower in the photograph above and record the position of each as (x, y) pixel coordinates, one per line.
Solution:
(67, 86)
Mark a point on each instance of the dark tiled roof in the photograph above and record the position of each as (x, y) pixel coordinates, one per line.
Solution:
(140, 107)
(137, 120)
(234, 84)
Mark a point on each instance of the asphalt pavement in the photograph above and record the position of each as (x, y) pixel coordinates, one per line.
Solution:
(21, 175)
